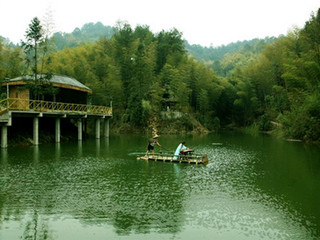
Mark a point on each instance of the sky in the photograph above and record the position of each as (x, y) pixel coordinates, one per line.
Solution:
(204, 22)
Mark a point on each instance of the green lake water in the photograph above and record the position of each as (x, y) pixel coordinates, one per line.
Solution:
(254, 187)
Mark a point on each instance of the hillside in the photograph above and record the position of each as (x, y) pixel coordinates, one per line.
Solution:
(226, 58)
(222, 59)
(217, 53)
(91, 32)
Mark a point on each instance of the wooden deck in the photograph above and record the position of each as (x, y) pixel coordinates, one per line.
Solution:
(11, 108)
(190, 159)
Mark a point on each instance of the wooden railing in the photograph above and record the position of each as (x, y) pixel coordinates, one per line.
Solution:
(11, 104)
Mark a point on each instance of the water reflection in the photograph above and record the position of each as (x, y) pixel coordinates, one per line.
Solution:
(79, 149)
(36, 228)
(106, 143)
(244, 192)
(131, 197)
(150, 198)
(58, 151)
(97, 147)
(4, 156)
(36, 155)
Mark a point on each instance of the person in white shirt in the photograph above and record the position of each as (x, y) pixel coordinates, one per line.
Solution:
(179, 149)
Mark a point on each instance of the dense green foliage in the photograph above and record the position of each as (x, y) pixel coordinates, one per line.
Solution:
(270, 83)
(11, 63)
(140, 72)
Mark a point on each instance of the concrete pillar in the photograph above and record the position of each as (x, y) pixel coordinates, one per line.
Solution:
(80, 129)
(98, 128)
(106, 127)
(36, 131)
(4, 137)
(58, 130)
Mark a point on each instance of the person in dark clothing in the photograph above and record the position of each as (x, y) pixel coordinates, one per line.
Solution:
(151, 143)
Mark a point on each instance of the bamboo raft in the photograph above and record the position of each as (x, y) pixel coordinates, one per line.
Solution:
(165, 157)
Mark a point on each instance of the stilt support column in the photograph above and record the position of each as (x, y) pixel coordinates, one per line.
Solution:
(36, 131)
(106, 128)
(58, 130)
(4, 137)
(98, 128)
(80, 129)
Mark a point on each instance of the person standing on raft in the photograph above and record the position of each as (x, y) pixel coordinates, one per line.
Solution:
(151, 143)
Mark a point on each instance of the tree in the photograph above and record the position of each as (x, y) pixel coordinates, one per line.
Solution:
(35, 45)
(124, 46)
(35, 38)
(168, 43)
